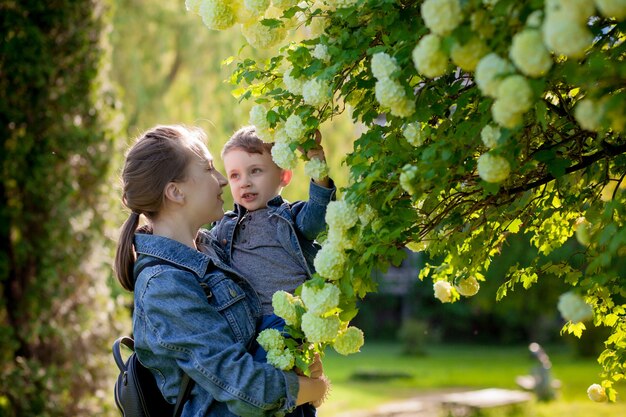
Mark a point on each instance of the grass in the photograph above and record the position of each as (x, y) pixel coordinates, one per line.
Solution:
(449, 367)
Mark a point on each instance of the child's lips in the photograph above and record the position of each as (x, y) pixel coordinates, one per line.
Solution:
(248, 196)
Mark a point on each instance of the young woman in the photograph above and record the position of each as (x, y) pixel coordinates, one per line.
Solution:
(193, 314)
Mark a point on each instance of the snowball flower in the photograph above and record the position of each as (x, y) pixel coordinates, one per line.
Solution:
(270, 339)
(441, 16)
(339, 239)
(284, 156)
(565, 36)
(260, 36)
(515, 93)
(576, 11)
(257, 6)
(383, 65)
(574, 308)
(193, 5)
(414, 134)
(489, 72)
(316, 168)
(505, 116)
(468, 55)
(407, 176)
(294, 128)
(329, 262)
(319, 301)
(284, 305)
(612, 8)
(349, 341)
(341, 214)
(403, 108)
(258, 117)
(283, 4)
(389, 93)
(320, 329)
(490, 135)
(428, 57)
(281, 359)
(596, 393)
(443, 291)
(468, 287)
(588, 114)
(493, 168)
(529, 54)
(216, 14)
(366, 214)
(316, 92)
(293, 85)
(321, 52)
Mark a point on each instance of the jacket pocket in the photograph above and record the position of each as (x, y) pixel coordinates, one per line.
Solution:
(230, 301)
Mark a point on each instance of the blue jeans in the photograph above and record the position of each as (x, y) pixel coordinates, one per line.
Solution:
(272, 321)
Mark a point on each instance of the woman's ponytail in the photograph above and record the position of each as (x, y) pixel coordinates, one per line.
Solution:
(125, 255)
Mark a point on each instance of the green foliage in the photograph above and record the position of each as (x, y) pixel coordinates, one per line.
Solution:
(556, 162)
(58, 124)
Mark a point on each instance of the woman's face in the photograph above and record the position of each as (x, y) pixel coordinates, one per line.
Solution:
(203, 190)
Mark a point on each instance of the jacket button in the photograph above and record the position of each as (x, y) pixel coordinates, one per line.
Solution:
(233, 293)
(224, 241)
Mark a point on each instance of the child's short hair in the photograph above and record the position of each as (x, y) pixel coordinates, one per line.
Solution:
(247, 140)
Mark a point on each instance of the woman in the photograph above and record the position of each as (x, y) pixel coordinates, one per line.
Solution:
(193, 314)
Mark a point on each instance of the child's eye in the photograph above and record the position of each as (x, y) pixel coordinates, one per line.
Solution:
(233, 176)
(256, 170)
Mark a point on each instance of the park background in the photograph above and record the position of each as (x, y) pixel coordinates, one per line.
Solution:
(142, 63)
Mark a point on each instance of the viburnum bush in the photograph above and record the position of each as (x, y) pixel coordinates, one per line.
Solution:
(483, 118)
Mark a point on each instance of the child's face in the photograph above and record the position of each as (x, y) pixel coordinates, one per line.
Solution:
(254, 178)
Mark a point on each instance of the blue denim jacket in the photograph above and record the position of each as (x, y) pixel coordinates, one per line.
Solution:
(177, 327)
(304, 220)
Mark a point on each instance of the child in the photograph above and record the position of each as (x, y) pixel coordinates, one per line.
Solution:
(269, 241)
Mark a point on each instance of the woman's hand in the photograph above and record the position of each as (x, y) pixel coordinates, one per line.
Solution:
(316, 369)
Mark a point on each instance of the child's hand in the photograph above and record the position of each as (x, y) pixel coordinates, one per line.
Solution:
(317, 152)
(327, 384)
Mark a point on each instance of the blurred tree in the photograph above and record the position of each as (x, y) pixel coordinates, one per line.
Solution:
(58, 122)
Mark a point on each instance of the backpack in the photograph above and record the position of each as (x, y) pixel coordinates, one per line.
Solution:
(136, 392)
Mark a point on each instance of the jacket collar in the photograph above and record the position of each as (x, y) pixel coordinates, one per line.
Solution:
(275, 202)
(173, 252)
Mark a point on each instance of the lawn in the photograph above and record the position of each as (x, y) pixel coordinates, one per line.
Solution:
(449, 367)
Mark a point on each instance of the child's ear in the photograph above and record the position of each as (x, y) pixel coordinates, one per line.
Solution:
(174, 193)
(285, 177)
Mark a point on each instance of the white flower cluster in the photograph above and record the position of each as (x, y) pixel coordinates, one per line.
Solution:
(294, 127)
(407, 176)
(612, 8)
(513, 99)
(217, 14)
(383, 65)
(316, 92)
(320, 329)
(467, 55)
(283, 4)
(529, 54)
(281, 359)
(441, 16)
(285, 306)
(316, 169)
(468, 287)
(443, 291)
(260, 36)
(574, 308)
(389, 92)
(489, 72)
(258, 118)
(320, 301)
(292, 84)
(588, 113)
(565, 26)
(193, 5)
(490, 135)
(321, 52)
(429, 58)
(271, 339)
(596, 393)
(329, 262)
(284, 156)
(341, 215)
(366, 214)
(493, 168)
(257, 6)
(414, 134)
(349, 341)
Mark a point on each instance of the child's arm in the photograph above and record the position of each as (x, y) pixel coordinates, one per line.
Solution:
(312, 390)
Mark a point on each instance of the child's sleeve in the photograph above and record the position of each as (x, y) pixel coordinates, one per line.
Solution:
(310, 215)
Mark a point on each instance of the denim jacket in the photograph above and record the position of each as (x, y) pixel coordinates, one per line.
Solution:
(179, 327)
(303, 221)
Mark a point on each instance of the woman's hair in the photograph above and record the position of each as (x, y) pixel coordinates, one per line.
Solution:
(247, 140)
(159, 156)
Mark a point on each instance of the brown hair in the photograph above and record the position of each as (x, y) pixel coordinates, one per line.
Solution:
(247, 140)
(159, 156)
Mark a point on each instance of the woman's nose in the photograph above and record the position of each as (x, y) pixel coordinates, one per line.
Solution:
(221, 179)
